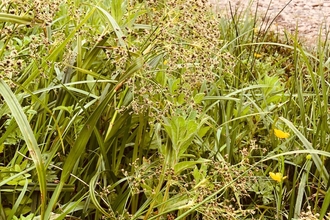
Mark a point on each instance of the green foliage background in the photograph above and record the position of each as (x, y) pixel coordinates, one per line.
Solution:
(158, 110)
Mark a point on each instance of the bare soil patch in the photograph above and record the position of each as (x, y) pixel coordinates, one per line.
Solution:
(309, 16)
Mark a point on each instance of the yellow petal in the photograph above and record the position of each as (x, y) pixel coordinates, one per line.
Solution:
(281, 134)
(256, 55)
(276, 176)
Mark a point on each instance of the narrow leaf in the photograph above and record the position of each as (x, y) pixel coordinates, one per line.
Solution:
(31, 142)
(323, 171)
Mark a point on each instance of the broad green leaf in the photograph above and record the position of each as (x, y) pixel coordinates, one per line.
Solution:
(184, 165)
(202, 131)
(181, 132)
(181, 99)
(161, 78)
(198, 98)
(196, 174)
(173, 85)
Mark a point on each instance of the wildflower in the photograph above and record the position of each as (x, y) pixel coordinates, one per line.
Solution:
(308, 157)
(281, 134)
(256, 55)
(278, 177)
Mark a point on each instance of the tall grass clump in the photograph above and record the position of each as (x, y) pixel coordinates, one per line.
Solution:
(158, 110)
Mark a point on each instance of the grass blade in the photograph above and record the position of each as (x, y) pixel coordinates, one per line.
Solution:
(301, 189)
(115, 26)
(4, 17)
(325, 204)
(18, 201)
(29, 138)
(317, 160)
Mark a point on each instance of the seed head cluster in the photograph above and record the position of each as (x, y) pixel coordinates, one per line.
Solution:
(189, 57)
(41, 11)
(145, 177)
(21, 46)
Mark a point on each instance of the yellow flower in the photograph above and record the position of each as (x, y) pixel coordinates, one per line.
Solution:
(281, 134)
(308, 157)
(278, 177)
(256, 55)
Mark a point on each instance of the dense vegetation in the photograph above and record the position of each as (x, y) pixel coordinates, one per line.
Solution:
(158, 110)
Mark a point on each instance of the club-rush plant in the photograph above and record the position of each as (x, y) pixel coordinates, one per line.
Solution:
(159, 110)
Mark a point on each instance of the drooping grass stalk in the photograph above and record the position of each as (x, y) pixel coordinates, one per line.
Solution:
(95, 200)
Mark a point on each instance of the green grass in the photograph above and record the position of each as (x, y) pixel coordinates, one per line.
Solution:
(142, 110)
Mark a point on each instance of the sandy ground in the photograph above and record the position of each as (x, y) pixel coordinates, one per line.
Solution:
(308, 15)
